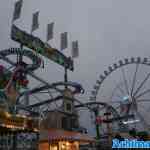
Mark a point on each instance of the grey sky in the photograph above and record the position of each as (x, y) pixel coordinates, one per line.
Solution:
(107, 30)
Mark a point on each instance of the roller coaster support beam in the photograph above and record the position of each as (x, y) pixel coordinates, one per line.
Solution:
(96, 125)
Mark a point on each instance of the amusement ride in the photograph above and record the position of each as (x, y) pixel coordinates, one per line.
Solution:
(22, 108)
(124, 86)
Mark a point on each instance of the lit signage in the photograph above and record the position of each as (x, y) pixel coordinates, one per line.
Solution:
(39, 46)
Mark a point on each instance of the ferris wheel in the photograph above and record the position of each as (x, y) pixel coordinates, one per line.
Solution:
(125, 86)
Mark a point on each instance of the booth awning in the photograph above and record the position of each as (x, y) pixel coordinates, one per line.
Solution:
(62, 135)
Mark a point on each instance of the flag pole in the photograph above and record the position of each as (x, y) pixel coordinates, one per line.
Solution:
(65, 76)
(64, 45)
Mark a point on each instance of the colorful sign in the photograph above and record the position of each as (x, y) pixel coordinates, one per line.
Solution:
(39, 46)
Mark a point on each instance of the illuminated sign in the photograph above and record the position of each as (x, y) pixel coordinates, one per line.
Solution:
(39, 46)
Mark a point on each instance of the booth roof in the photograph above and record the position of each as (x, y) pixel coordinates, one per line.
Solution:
(63, 135)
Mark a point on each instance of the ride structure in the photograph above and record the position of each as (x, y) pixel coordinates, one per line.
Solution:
(21, 104)
(13, 79)
(124, 85)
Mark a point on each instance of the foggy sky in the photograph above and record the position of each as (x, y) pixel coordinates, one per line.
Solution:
(107, 30)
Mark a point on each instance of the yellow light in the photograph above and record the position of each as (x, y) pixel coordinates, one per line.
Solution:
(63, 146)
(35, 129)
(7, 114)
(67, 143)
(54, 147)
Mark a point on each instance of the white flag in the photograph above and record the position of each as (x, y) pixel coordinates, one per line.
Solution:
(64, 41)
(35, 21)
(75, 49)
(17, 10)
(50, 28)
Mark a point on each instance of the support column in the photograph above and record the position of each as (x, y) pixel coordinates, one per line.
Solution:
(96, 125)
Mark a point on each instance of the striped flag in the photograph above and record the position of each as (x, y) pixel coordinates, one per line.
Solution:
(64, 40)
(50, 28)
(75, 49)
(17, 10)
(35, 21)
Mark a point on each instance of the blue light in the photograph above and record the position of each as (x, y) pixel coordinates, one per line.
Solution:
(126, 98)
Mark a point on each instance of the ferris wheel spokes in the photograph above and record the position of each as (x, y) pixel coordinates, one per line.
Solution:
(125, 80)
(131, 92)
(134, 79)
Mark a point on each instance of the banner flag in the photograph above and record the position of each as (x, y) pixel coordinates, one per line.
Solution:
(64, 40)
(50, 28)
(75, 49)
(17, 10)
(35, 21)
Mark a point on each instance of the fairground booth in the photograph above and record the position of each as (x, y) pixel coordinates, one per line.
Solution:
(56, 139)
(17, 132)
(60, 130)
